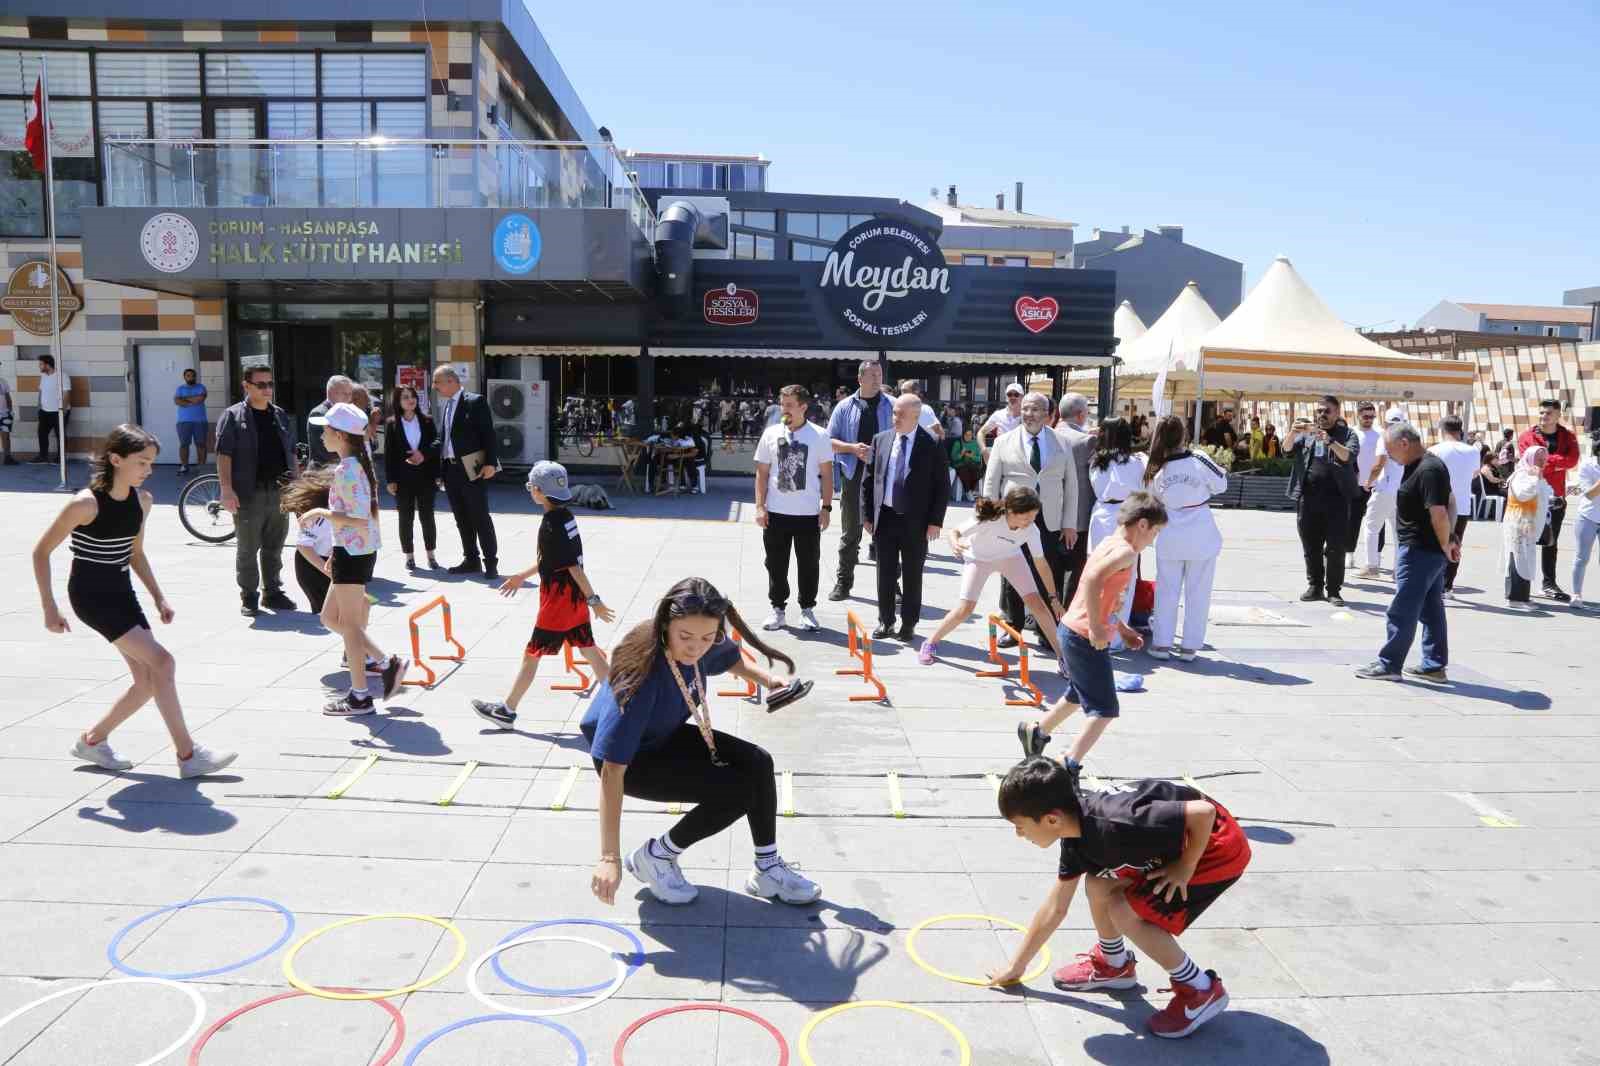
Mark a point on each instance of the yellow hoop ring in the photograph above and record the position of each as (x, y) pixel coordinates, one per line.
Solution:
(313, 990)
(805, 1034)
(911, 948)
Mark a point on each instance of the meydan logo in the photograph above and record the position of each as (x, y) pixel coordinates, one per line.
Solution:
(882, 282)
(885, 278)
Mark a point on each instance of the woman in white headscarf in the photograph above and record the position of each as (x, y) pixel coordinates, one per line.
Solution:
(1527, 512)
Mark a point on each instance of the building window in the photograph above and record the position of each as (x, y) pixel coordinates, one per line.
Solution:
(765, 248)
(147, 74)
(830, 227)
(974, 260)
(261, 74)
(1015, 261)
(674, 178)
(856, 220)
(802, 223)
(804, 252)
(373, 74)
(767, 220)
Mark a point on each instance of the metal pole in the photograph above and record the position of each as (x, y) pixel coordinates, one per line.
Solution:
(55, 289)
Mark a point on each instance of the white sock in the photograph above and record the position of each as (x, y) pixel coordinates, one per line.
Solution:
(1188, 973)
(359, 694)
(662, 847)
(767, 857)
(1115, 950)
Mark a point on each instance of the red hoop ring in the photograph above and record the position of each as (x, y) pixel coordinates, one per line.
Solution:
(616, 1054)
(388, 1056)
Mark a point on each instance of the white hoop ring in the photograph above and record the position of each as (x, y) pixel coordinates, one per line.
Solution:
(549, 1012)
(188, 990)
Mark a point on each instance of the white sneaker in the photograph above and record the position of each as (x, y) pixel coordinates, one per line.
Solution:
(808, 620)
(1184, 655)
(785, 883)
(100, 755)
(1578, 605)
(203, 761)
(1158, 652)
(776, 622)
(1369, 571)
(661, 876)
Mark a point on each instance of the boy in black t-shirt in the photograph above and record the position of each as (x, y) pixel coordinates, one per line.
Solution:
(1156, 853)
(565, 595)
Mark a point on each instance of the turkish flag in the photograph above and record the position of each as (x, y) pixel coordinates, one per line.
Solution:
(33, 140)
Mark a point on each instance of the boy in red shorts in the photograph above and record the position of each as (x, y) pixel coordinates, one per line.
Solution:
(565, 596)
(1157, 854)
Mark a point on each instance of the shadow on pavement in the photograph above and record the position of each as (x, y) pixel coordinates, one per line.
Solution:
(395, 731)
(149, 804)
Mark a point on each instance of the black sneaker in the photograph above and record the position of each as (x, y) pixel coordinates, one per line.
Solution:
(1033, 739)
(1555, 593)
(394, 672)
(249, 607)
(1335, 600)
(495, 713)
(278, 601)
(491, 571)
(1311, 596)
(1006, 640)
(350, 706)
(841, 591)
(1377, 671)
(11, 461)
(467, 566)
(1437, 676)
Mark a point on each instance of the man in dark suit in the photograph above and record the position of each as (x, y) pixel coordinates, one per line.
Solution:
(903, 495)
(338, 390)
(466, 439)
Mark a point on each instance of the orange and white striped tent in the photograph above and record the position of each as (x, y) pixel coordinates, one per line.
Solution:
(1283, 341)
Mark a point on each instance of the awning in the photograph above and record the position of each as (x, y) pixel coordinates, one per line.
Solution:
(1001, 358)
(1346, 376)
(628, 351)
(764, 353)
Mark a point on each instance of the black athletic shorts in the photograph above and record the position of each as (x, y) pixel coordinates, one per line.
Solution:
(352, 569)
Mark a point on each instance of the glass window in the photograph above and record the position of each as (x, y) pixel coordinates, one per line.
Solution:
(974, 260)
(760, 219)
(765, 248)
(832, 227)
(374, 74)
(674, 180)
(755, 176)
(411, 311)
(346, 121)
(802, 223)
(744, 246)
(124, 118)
(736, 177)
(856, 220)
(175, 120)
(146, 73)
(1016, 261)
(708, 176)
(261, 74)
(403, 120)
(287, 122)
(254, 348)
(21, 188)
(722, 176)
(305, 312)
(257, 312)
(19, 70)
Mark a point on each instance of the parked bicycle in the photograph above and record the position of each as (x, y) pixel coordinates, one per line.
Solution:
(200, 505)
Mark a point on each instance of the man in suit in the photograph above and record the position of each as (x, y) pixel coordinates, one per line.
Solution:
(466, 436)
(1073, 431)
(903, 495)
(1031, 456)
(338, 390)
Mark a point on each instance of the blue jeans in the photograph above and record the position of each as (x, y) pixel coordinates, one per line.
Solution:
(1587, 533)
(1418, 596)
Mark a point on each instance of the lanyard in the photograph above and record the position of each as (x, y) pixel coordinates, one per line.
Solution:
(697, 705)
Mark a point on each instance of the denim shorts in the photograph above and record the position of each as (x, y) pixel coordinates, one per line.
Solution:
(1091, 682)
(192, 433)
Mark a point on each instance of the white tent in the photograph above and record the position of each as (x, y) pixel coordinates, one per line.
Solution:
(1172, 342)
(1283, 342)
(1126, 326)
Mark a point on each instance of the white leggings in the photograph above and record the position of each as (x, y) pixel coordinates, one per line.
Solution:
(1588, 532)
(1192, 579)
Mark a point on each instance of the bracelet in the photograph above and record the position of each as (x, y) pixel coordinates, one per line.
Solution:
(611, 858)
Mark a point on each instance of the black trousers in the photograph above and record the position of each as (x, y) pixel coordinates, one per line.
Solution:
(801, 533)
(902, 553)
(1075, 559)
(1324, 523)
(681, 771)
(1450, 569)
(52, 422)
(1358, 512)
(1055, 557)
(469, 502)
(415, 497)
(1547, 554)
(1518, 588)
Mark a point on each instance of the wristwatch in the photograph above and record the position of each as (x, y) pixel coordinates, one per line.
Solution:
(592, 600)
(827, 507)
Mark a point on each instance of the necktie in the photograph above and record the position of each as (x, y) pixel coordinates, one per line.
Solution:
(1034, 458)
(900, 468)
(449, 416)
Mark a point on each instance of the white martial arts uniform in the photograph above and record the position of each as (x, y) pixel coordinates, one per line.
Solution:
(1111, 486)
(1380, 512)
(1186, 549)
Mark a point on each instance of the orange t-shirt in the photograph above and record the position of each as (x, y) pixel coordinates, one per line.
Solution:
(1111, 592)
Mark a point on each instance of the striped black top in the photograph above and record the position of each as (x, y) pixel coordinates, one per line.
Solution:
(108, 540)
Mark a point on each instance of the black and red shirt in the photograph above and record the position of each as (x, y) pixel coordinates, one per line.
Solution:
(1134, 827)
(560, 549)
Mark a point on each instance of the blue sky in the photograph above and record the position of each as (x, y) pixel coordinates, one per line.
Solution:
(1398, 153)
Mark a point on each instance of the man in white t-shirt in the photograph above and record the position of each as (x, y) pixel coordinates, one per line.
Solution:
(1462, 460)
(1367, 459)
(1381, 480)
(794, 498)
(1004, 420)
(928, 419)
(55, 405)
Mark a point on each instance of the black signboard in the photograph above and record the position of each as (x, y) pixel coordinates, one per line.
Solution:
(885, 278)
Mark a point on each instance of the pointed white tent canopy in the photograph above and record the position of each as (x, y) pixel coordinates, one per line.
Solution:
(1284, 341)
(1177, 333)
(1127, 326)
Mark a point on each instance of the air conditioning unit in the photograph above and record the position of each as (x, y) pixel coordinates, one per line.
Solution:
(521, 412)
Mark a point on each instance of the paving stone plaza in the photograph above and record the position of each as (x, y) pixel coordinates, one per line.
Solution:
(1423, 887)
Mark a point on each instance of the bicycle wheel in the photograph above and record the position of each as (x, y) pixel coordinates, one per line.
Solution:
(201, 512)
(586, 445)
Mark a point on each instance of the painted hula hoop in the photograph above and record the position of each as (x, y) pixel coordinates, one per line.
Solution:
(916, 957)
(132, 971)
(535, 990)
(383, 1060)
(550, 1012)
(326, 993)
(627, 1034)
(572, 1038)
(805, 1034)
(188, 990)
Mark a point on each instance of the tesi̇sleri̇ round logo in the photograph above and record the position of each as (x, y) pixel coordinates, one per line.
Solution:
(517, 244)
(170, 243)
(731, 306)
(885, 278)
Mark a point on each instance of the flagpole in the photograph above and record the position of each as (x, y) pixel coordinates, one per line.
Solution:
(55, 268)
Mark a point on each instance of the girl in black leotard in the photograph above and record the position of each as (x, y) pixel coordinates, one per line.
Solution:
(106, 524)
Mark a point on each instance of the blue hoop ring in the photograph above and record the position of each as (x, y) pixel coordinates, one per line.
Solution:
(572, 1038)
(535, 990)
(116, 941)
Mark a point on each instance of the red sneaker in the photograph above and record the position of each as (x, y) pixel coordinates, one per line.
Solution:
(1189, 1009)
(1092, 971)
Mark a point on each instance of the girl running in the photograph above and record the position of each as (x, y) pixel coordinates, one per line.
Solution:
(353, 512)
(1115, 472)
(1188, 546)
(106, 524)
(639, 735)
(987, 545)
(313, 555)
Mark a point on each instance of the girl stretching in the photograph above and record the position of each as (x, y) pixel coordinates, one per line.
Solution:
(353, 511)
(106, 524)
(1189, 544)
(986, 546)
(639, 735)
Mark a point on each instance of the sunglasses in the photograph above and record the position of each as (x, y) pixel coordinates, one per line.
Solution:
(261, 384)
(714, 606)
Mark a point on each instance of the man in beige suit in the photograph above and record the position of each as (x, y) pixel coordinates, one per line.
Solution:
(1032, 456)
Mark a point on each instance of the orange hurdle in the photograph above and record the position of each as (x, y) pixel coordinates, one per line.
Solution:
(750, 691)
(416, 642)
(1035, 696)
(861, 649)
(585, 682)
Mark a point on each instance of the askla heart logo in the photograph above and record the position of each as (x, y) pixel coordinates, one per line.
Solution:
(1037, 315)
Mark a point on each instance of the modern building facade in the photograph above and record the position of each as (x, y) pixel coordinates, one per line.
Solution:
(1562, 323)
(1153, 267)
(995, 236)
(698, 173)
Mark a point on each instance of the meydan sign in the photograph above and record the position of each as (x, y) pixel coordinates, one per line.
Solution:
(885, 278)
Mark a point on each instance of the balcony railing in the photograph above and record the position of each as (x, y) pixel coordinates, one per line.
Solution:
(376, 172)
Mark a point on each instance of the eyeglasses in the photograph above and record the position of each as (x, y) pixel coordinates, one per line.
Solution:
(260, 384)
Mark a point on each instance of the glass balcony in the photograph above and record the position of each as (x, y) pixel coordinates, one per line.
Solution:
(375, 172)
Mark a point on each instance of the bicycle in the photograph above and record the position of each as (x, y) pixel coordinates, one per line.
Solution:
(201, 512)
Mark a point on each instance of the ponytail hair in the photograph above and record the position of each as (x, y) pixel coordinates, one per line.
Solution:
(1020, 500)
(1165, 444)
(127, 439)
(307, 492)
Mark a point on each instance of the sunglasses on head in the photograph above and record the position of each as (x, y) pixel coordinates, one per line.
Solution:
(694, 604)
